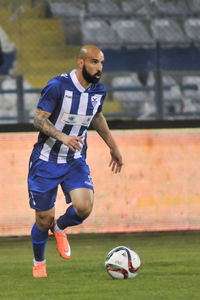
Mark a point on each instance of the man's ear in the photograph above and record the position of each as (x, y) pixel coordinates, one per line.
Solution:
(80, 63)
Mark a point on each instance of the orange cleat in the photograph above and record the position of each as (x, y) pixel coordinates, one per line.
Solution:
(62, 244)
(39, 270)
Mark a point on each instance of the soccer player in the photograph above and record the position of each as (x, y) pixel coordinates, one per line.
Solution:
(67, 106)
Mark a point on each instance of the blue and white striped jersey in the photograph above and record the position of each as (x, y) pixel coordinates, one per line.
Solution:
(72, 109)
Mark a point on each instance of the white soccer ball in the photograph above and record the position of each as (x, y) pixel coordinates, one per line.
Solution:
(122, 263)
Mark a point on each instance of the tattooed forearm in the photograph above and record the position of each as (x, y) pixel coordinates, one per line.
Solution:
(42, 123)
(40, 118)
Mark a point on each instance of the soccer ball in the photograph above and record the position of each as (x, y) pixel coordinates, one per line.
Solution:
(122, 263)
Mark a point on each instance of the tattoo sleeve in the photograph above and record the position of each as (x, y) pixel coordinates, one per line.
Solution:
(43, 124)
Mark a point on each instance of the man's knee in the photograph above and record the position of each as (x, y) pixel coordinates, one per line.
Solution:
(45, 219)
(83, 210)
(82, 200)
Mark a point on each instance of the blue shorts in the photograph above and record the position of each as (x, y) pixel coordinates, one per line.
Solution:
(44, 178)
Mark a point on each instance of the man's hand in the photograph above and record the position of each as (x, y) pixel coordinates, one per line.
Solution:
(73, 142)
(116, 161)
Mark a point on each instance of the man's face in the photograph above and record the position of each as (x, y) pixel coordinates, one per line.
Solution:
(92, 68)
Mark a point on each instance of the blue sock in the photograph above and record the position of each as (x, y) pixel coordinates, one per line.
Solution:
(70, 218)
(39, 240)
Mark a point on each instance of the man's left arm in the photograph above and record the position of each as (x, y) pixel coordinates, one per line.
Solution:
(100, 125)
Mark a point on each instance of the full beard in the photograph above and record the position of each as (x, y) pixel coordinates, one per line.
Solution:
(90, 78)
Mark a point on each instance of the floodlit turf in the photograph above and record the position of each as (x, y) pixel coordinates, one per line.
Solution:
(170, 268)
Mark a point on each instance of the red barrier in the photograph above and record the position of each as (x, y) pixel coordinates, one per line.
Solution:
(158, 188)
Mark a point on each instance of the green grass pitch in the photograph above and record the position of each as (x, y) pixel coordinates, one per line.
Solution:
(170, 268)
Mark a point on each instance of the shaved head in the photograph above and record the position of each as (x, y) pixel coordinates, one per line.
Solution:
(89, 50)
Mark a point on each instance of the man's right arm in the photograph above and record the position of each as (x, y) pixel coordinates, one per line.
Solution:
(43, 124)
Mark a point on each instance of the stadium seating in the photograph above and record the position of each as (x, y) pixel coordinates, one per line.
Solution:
(167, 8)
(103, 8)
(136, 99)
(168, 31)
(50, 48)
(137, 8)
(194, 6)
(140, 99)
(192, 29)
(8, 101)
(67, 9)
(172, 91)
(134, 21)
(172, 95)
(99, 32)
(191, 94)
(132, 31)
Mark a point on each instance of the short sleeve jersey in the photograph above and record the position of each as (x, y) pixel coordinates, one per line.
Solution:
(72, 108)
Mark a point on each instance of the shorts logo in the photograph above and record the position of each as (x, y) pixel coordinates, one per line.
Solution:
(89, 181)
(32, 198)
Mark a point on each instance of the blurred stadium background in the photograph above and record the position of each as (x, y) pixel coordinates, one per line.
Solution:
(152, 74)
(152, 48)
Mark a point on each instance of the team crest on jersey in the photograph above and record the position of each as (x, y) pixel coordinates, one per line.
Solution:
(95, 99)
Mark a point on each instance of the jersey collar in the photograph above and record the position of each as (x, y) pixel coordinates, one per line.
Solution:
(76, 82)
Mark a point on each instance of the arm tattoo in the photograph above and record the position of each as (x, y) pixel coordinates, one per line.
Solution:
(43, 124)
